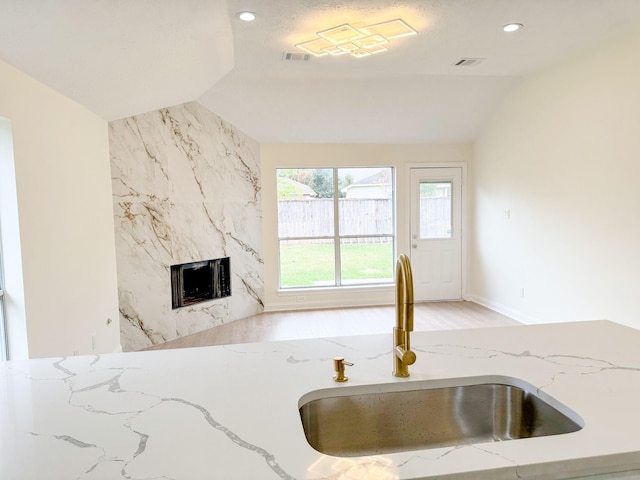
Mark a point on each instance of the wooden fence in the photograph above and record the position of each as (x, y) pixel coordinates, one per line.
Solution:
(309, 218)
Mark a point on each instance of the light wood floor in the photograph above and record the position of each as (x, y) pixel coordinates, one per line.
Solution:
(341, 322)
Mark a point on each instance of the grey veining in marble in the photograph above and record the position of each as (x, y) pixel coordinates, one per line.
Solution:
(185, 413)
(231, 412)
(186, 187)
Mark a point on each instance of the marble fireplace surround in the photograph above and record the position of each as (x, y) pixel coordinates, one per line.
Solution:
(186, 188)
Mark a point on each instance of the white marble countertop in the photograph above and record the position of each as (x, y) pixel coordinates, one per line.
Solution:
(231, 412)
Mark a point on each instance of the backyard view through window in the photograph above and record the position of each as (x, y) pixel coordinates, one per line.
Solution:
(335, 226)
(435, 210)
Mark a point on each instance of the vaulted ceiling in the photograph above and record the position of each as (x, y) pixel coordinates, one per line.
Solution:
(123, 57)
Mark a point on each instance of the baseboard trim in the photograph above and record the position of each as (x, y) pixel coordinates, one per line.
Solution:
(290, 307)
(318, 302)
(509, 312)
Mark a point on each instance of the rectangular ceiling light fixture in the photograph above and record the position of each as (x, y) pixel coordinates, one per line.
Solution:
(341, 34)
(358, 42)
(316, 46)
(392, 29)
(372, 41)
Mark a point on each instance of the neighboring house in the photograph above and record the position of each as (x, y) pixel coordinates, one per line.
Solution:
(290, 189)
(375, 186)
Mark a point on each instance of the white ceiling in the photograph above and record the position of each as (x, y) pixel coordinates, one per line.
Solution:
(123, 57)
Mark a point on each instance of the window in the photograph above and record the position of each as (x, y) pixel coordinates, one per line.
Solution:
(335, 226)
(435, 210)
(3, 331)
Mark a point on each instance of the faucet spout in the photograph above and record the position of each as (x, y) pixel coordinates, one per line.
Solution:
(403, 356)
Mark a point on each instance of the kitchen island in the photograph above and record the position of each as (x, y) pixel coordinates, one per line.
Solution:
(231, 412)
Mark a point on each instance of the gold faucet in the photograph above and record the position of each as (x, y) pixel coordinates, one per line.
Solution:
(402, 354)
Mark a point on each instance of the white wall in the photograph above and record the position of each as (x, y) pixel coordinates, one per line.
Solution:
(62, 183)
(273, 156)
(562, 154)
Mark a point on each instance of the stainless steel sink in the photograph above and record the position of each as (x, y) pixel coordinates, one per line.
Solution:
(379, 419)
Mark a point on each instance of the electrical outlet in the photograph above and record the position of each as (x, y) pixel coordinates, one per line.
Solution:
(507, 214)
(300, 298)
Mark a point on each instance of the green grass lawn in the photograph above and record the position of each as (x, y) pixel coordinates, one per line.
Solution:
(313, 264)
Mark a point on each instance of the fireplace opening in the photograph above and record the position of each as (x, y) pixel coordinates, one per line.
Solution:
(197, 282)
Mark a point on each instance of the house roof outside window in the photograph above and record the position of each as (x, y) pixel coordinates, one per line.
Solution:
(375, 186)
(290, 189)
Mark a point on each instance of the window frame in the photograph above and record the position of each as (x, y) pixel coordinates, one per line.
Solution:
(4, 347)
(337, 238)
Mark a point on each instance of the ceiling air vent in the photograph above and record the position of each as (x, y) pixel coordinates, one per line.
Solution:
(296, 57)
(469, 62)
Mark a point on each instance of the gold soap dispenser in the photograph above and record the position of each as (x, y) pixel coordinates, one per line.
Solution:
(339, 364)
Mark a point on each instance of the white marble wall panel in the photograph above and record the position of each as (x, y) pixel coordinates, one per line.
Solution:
(186, 187)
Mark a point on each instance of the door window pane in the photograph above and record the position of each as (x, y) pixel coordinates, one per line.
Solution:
(435, 210)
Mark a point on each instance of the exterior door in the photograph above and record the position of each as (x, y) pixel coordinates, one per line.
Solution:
(436, 233)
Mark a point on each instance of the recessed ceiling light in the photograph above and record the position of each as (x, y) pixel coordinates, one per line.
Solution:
(246, 16)
(512, 27)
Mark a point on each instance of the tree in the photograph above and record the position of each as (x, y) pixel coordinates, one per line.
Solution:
(343, 183)
(322, 182)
